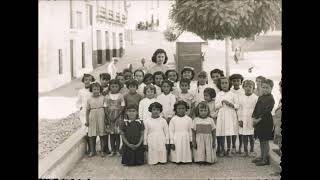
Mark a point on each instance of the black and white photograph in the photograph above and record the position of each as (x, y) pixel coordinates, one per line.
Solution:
(159, 89)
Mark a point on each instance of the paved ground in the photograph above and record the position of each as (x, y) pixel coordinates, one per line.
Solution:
(236, 167)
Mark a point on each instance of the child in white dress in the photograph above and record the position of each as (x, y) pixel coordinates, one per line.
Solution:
(173, 76)
(236, 81)
(201, 85)
(180, 132)
(204, 135)
(185, 95)
(83, 95)
(156, 135)
(247, 104)
(227, 120)
(188, 73)
(150, 93)
(167, 100)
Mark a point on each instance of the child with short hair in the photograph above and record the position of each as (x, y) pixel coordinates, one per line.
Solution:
(180, 133)
(227, 121)
(236, 81)
(263, 121)
(132, 98)
(150, 93)
(95, 119)
(127, 74)
(209, 96)
(167, 100)
(156, 135)
(201, 85)
(204, 135)
(258, 90)
(132, 131)
(148, 79)
(186, 96)
(188, 73)
(123, 89)
(247, 103)
(104, 80)
(139, 76)
(83, 95)
(173, 76)
(215, 74)
(114, 114)
(158, 77)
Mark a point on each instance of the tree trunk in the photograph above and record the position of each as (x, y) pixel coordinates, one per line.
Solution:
(227, 49)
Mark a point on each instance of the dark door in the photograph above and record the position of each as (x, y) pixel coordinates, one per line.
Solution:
(71, 59)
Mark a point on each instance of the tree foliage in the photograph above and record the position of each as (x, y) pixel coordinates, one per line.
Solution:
(216, 19)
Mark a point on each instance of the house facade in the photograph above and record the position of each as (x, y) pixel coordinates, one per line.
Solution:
(77, 36)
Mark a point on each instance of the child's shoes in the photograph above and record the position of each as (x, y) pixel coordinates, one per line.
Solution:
(262, 163)
(112, 154)
(233, 151)
(102, 154)
(91, 154)
(256, 160)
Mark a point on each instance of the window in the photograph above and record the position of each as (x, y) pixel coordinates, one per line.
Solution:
(79, 20)
(107, 39)
(60, 61)
(83, 50)
(98, 39)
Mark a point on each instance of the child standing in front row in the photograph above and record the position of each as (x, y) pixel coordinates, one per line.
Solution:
(156, 135)
(227, 121)
(236, 81)
(167, 100)
(132, 131)
(114, 110)
(95, 119)
(204, 135)
(209, 96)
(247, 102)
(180, 132)
(186, 96)
(83, 95)
(263, 121)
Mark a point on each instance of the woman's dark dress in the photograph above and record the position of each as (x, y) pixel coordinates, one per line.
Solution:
(263, 108)
(132, 131)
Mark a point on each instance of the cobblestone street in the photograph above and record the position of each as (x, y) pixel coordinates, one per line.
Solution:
(236, 167)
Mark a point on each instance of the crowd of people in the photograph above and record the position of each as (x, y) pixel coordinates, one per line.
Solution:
(161, 115)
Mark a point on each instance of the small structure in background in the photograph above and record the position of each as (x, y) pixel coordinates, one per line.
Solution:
(189, 52)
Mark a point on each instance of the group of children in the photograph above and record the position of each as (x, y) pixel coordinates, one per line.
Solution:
(161, 117)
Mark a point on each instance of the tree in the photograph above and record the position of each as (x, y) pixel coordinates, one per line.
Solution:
(226, 19)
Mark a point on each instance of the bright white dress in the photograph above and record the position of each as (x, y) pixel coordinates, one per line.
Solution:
(204, 140)
(167, 102)
(144, 104)
(83, 96)
(199, 93)
(227, 121)
(247, 105)
(141, 88)
(156, 136)
(180, 132)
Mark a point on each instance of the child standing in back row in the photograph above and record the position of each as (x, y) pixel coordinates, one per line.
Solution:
(104, 80)
(167, 100)
(150, 97)
(186, 96)
(202, 84)
(209, 96)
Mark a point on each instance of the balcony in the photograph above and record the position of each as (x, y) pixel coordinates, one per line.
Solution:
(118, 17)
(110, 15)
(102, 14)
(124, 19)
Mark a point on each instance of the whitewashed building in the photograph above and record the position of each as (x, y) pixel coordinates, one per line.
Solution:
(77, 36)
